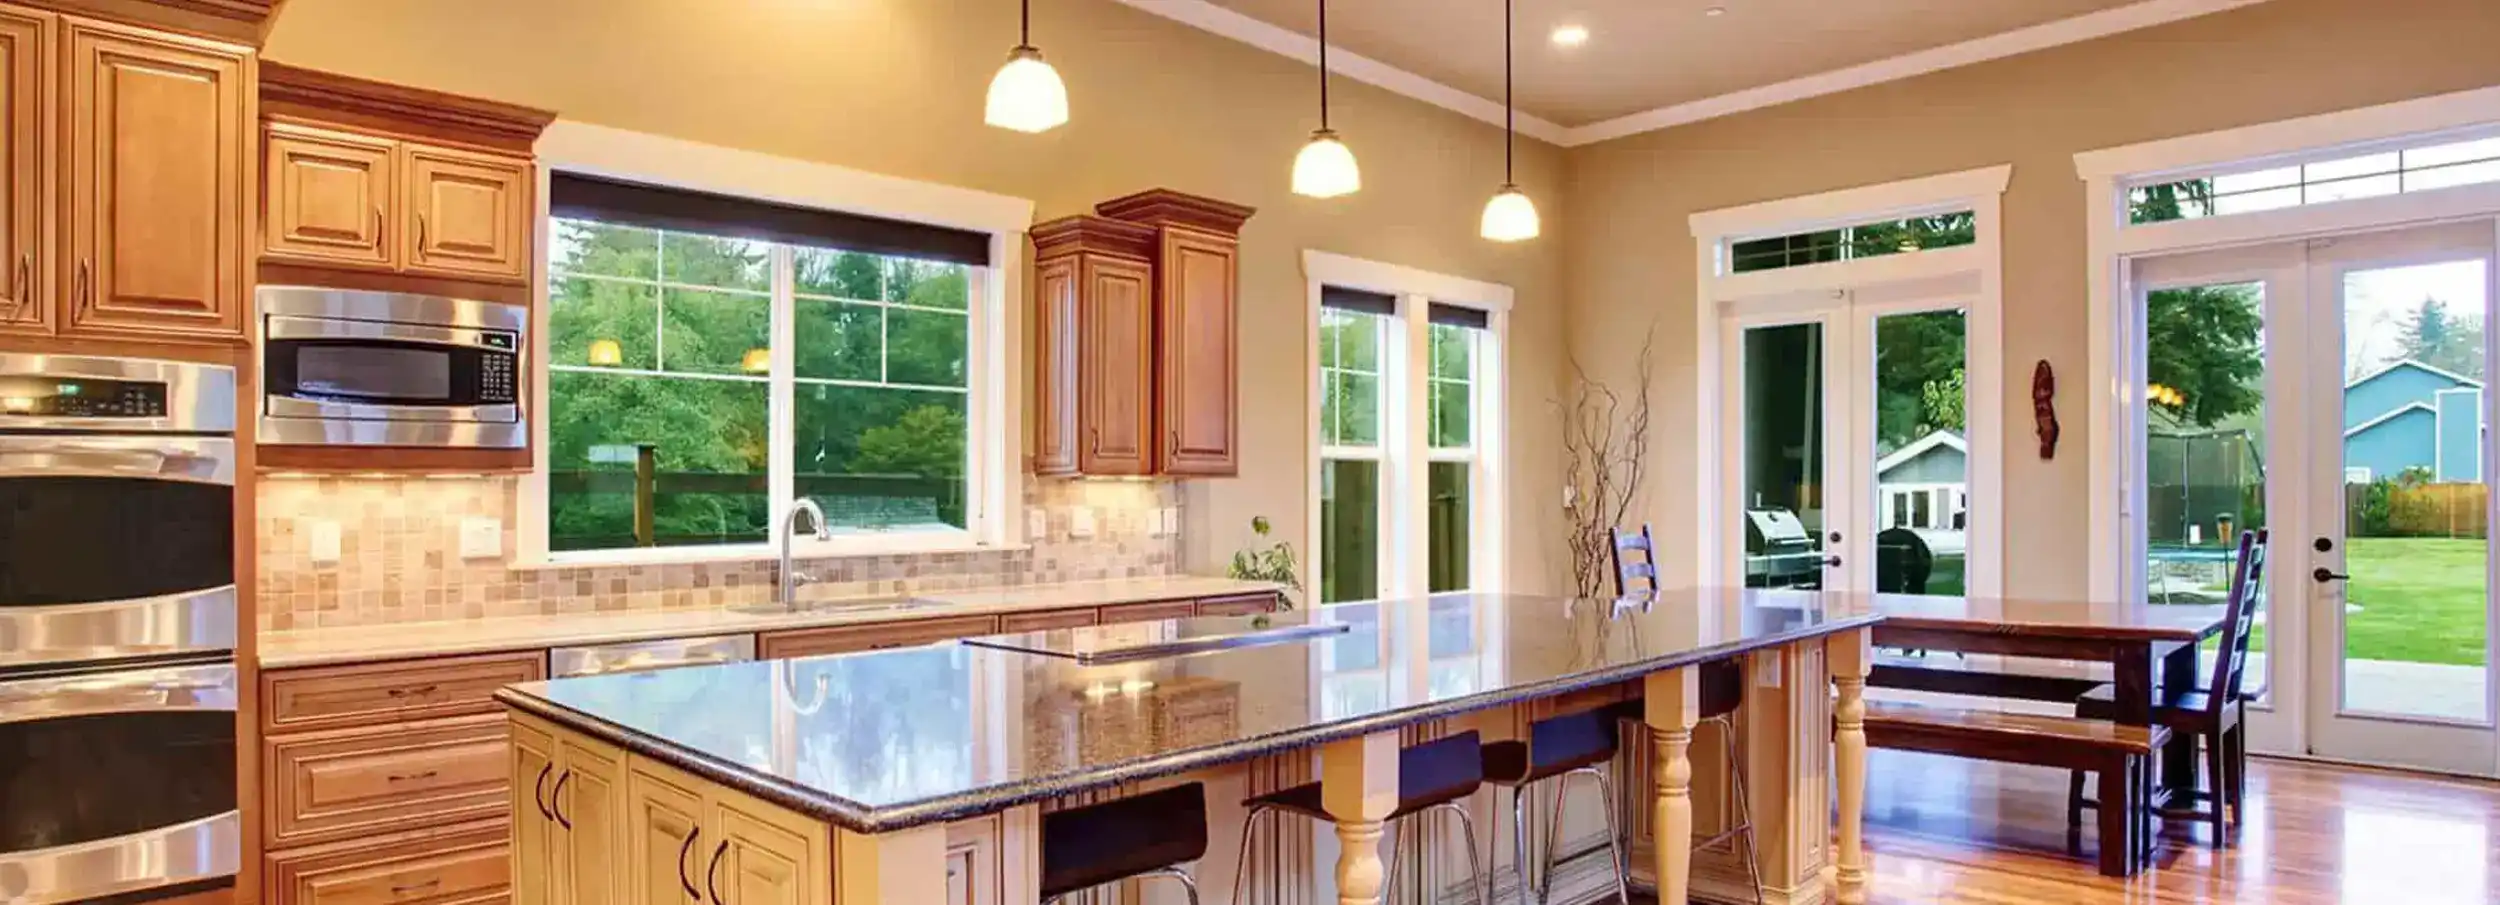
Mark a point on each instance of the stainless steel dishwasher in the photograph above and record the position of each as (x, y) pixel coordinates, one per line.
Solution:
(644, 656)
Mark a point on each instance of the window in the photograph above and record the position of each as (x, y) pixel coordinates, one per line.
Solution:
(710, 356)
(2442, 165)
(1408, 433)
(1865, 240)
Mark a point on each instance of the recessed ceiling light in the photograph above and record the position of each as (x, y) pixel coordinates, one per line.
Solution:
(1570, 35)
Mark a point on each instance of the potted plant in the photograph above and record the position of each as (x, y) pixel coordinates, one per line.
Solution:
(1266, 563)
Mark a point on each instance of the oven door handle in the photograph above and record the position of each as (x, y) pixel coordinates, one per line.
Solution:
(179, 688)
(204, 459)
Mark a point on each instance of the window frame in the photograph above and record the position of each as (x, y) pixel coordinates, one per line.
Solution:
(1405, 449)
(993, 478)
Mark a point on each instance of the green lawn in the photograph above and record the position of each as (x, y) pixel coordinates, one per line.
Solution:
(2421, 600)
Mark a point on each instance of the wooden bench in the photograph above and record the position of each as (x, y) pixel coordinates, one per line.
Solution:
(2120, 755)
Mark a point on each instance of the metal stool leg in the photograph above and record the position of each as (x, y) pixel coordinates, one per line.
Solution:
(1519, 796)
(1614, 834)
(1744, 805)
(1189, 885)
(1476, 876)
(1241, 866)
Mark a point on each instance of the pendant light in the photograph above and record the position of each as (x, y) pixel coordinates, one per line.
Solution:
(1325, 168)
(1510, 216)
(1027, 95)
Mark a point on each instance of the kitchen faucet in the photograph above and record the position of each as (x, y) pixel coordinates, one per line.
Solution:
(791, 580)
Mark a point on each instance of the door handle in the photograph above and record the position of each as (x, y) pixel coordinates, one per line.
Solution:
(2323, 575)
(555, 799)
(683, 878)
(539, 790)
(1832, 561)
(711, 875)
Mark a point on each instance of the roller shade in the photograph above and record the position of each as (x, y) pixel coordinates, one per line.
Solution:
(1343, 299)
(574, 196)
(1461, 316)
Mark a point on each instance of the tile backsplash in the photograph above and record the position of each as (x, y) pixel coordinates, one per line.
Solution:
(399, 555)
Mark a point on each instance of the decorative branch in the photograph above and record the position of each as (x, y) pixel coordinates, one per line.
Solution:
(1605, 463)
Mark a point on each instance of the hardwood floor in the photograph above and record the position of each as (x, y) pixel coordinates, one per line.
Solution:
(1952, 832)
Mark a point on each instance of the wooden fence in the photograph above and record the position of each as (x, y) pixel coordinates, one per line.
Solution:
(2421, 510)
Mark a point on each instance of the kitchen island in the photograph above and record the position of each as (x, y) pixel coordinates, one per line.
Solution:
(919, 775)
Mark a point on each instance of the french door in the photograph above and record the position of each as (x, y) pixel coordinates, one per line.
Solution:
(1844, 455)
(2332, 391)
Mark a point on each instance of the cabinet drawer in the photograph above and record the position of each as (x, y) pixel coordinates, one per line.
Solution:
(848, 638)
(331, 785)
(1149, 612)
(1038, 622)
(363, 694)
(467, 865)
(1237, 605)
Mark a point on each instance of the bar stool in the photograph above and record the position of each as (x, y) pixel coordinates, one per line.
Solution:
(1149, 835)
(1558, 749)
(1437, 775)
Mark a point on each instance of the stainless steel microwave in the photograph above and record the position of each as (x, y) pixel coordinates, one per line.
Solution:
(343, 367)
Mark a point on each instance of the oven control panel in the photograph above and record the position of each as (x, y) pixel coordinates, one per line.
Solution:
(80, 397)
(499, 379)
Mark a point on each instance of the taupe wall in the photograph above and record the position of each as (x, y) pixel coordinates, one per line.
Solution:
(1630, 259)
(896, 86)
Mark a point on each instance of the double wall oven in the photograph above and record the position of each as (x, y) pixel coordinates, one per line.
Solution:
(117, 627)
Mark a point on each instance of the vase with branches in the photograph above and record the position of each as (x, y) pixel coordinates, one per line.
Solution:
(1605, 459)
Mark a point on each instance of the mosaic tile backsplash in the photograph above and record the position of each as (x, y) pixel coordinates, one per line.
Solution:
(399, 556)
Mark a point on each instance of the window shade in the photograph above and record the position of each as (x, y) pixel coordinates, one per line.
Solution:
(1460, 316)
(575, 196)
(1344, 299)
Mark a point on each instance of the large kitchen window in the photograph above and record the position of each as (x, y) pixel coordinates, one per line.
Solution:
(1406, 496)
(711, 358)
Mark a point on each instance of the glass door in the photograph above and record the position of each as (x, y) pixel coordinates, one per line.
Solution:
(1783, 433)
(1912, 461)
(2400, 574)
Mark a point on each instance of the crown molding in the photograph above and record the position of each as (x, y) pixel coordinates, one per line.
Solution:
(1286, 42)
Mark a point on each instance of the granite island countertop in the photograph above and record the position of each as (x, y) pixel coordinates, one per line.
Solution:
(886, 740)
(345, 644)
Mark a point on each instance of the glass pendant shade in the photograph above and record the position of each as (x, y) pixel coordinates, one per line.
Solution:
(1027, 95)
(606, 353)
(1325, 168)
(1510, 216)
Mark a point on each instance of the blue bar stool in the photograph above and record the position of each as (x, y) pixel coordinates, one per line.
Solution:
(1557, 749)
(1437, 775)
(1149, 835)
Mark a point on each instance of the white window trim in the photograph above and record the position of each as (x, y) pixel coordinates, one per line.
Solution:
(2114, 409)
(995, 378)
(1980, 191)
(1404, 570)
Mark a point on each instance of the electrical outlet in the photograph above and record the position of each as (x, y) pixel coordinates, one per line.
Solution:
(322, 536)
(1036, 524)
(481, 538)
(1080, 521)
(1170, 521)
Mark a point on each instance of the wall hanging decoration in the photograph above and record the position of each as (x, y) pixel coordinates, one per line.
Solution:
(2044, 408)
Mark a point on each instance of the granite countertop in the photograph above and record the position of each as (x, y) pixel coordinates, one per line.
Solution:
(316, 646)
(885, 740)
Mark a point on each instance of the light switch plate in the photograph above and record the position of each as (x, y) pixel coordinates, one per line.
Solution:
(1036, 524)
(1080, 521)
(322, 536)
(1170, 521)
(481, 538)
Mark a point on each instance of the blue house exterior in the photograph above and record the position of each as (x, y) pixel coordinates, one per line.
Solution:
(2412, 415)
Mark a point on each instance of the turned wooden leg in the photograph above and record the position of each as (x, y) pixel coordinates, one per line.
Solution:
(1849, 660)
(1674, 705)
(1359, 787)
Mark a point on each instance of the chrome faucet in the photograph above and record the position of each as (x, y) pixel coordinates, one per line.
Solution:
(790, 580)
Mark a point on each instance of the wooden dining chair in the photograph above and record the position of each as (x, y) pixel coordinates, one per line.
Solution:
(2214, 718)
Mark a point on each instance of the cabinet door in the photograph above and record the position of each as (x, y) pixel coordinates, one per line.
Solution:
(1055, 355)
(1116, 371)
(330, 195)
(772, 857)
(973, 875)
(158, 138)
(535, 867)
(663, 827)
(1195, 352)
(472, 214)
(590, 811)
(25, 167)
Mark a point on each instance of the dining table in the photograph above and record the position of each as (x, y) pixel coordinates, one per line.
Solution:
(2149, 650)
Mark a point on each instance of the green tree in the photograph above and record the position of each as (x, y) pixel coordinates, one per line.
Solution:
(1919, 373)
(2206, 343)
(2442, 340)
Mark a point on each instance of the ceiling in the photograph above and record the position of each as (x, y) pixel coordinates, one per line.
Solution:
(1643, 55)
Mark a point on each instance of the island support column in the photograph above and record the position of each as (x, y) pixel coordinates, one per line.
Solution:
(1359, 788)
(1848, 656)
(1673, 707)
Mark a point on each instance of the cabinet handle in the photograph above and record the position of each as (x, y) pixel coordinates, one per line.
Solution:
(25, 266)
(429, 774)
(86, 300)
(420, 231)
(555, 799)
(711, 875)
(538, 790)
(377, 224)
(404, 889)
(417, 691)
(687, 848)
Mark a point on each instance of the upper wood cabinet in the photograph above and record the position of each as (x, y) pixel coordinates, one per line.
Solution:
(27, 39)
(1136, 338)
(368, 176)
(159, 130)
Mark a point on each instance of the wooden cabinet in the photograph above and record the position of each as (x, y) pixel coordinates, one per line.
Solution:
(975, 862)
(1149, 612)
(690, 840)
(569, 806)
(1238, 605)
(467, 864)
(338, 784)
(1045, 621)
(372, 177)
(366, 694)
(27, 39)
(1136, 338)
(843, 639)
(664, 819)
(159, 128)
